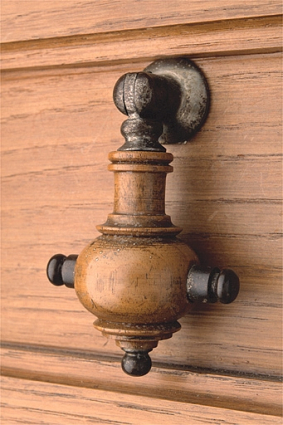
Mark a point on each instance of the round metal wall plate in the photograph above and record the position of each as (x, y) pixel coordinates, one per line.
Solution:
(194, 102)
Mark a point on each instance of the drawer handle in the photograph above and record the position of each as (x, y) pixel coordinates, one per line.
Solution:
(138, 278)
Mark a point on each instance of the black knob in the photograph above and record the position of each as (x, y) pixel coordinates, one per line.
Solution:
(136, 363)
(60, 270)
(210, 285)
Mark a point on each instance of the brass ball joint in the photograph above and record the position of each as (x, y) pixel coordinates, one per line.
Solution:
(138, 278)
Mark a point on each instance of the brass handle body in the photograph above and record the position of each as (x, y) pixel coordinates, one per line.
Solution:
(138, 278)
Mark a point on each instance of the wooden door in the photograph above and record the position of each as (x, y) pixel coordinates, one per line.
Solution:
(60, 61)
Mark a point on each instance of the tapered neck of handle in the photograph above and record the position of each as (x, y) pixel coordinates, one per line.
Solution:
(139, 194)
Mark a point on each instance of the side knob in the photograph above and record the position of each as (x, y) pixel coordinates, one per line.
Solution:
(205, 284)
(60, 270)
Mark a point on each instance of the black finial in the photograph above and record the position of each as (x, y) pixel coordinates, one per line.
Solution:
(136, 363)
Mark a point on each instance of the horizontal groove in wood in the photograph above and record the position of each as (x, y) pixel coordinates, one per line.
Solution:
(65, 116)
(260, 395)
(243, 36)
(32, 402)
(42, 314)
(58, 127)
(36, 20)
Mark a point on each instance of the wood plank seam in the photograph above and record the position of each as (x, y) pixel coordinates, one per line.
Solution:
(97, 356)
(232, 37)
(25, 401)
(31, 20)
(110, 36)
(198, 387)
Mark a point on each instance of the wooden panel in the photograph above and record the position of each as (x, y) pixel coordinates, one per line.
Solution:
(188, 386)
(34, 402)
(26, 20)
(58, 127)
(65, 109)
(215, 337)
(214, 38)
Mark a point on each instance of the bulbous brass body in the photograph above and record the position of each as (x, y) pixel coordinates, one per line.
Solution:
(138, 278)
(133, 278)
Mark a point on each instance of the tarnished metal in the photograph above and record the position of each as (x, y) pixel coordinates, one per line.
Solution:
(209, 285)
(61, 269)
(194, 102)
(166, 103)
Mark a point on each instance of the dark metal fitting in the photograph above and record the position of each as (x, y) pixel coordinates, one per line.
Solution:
(208, 285)
(60, 270)
(136, 363)
(171, 93)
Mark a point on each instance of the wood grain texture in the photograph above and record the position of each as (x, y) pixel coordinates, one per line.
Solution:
(86, 370)
(33, 402)
(26, 20)
(201, 39)
(57, 129)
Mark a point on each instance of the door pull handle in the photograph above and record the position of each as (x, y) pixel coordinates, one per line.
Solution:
(138, 278)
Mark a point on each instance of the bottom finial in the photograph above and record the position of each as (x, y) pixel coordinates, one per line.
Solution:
(136, 363)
